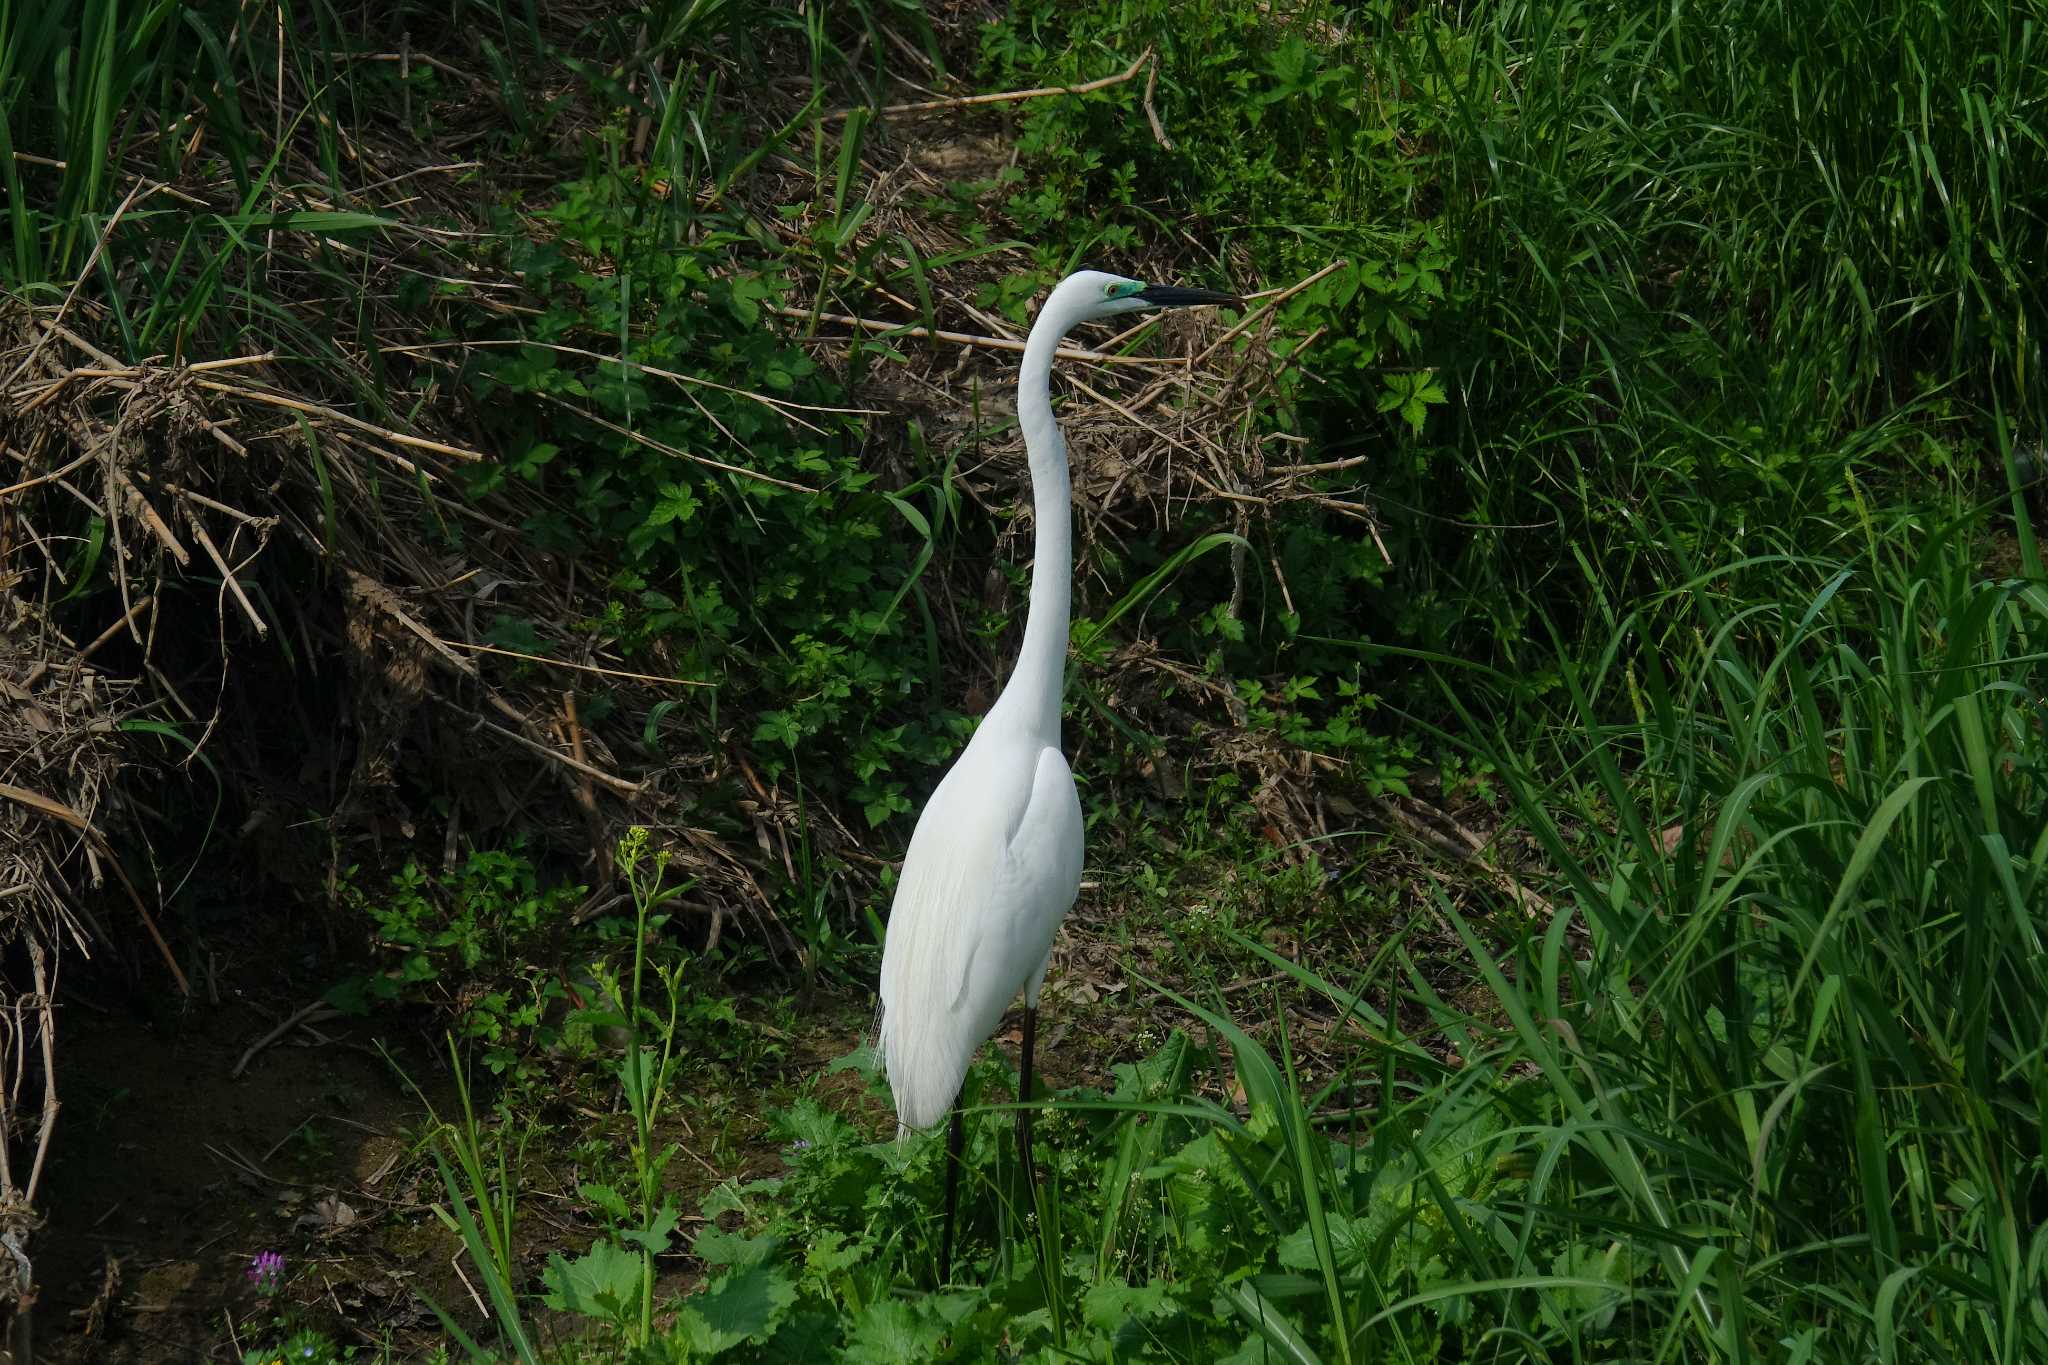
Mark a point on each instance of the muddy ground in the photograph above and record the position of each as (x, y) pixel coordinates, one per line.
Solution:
(172, 1172)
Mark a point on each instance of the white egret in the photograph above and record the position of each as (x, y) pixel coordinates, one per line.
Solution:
(995, 861)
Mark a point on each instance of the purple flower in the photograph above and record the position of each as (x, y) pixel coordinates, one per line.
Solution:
(266, 1272)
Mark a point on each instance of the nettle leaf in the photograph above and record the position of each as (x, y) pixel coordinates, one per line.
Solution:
(738, 1306)
(732, 1197)
(1208, 1197)
(891, 1332)
(716, 1247)
(602, 1283)
(1153, 1077)
(812, 1124)
(1115, 1303)
(1583, 1305)
(804, 1337)
(1350, 1242)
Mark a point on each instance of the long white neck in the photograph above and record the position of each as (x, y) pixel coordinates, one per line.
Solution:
(1032, 696)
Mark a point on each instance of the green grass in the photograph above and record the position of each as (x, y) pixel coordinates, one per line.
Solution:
(1766, 1083)
(1805, 1040)
(1721, 251)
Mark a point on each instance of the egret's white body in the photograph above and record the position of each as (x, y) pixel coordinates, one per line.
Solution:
(995, 862)
(1001, 841)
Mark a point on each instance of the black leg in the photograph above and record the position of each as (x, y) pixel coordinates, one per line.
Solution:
(1024, 1097)
(955, 1138)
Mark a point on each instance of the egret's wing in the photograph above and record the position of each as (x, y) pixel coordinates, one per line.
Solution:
(942, 905)
(993, 866)
(1042, 874)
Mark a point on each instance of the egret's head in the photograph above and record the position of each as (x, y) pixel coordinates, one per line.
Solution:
(1087, 295)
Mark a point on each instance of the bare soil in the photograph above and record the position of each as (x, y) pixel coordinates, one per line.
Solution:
(171, 1175)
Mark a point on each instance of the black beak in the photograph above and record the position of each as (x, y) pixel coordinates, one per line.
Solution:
(1173, 296)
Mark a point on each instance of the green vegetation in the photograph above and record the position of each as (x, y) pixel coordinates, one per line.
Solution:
(1689, 363)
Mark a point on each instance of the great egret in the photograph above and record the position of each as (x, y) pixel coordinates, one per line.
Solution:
(995, 861)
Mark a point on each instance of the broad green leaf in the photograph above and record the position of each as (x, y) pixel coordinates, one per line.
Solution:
(602, 1283)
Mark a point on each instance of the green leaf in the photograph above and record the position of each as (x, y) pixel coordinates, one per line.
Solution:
(831, 1254)
(307, 220)
(87, 558)
(738, 1306)
(1578, 1307)
(606, 1199)
(1114, 1303)
(1279, 1333)
(1350, 1241)
(716, 1247)
(658, 1233)
(891, 1332)
(530, 464)
(674, 504)
(1868, 843)
(603, 1283)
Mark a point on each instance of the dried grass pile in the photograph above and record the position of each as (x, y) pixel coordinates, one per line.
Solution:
(215, 490)
(283, 636)
(60, 757)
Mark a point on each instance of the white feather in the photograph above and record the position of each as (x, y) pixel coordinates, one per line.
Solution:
(995, 862)
(986, 883)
